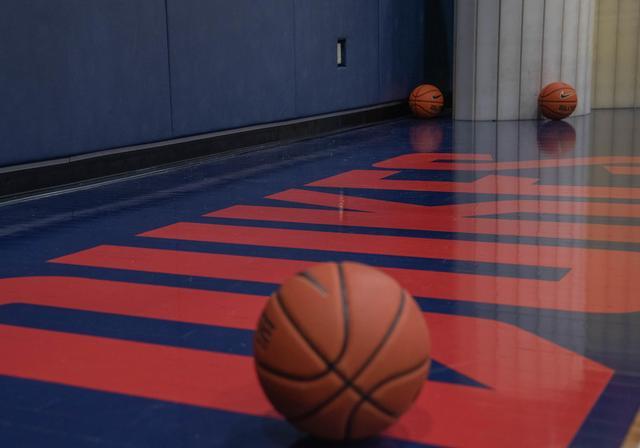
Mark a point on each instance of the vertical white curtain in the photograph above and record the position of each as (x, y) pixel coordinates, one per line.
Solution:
(507, 50)
(617, 54)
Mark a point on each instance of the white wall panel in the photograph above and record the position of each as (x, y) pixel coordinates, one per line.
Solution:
(465, 59)
(606, 43)
(487, 45)
(552, 41)
(636, 93)
(510, 49)
(616, 59)
(626, 53)
(569, 60)
(510, 59)
(531, 68)
(587, 104)
(582, 64)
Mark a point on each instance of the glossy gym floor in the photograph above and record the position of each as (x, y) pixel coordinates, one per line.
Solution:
(127, 308)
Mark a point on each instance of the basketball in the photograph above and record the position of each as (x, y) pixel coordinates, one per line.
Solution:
(557, 100)
(426, 101)
(341, 350)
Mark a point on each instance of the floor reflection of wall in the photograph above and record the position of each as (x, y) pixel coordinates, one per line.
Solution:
(603, 133)
(616, 131)
(556, 138)
(524, 140)
(427, 136)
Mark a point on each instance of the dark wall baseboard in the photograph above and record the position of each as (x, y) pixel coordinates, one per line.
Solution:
(35, 177)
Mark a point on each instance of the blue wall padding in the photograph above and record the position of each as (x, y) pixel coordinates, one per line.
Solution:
(401, 47)
(81, 75)
(77, 76)
(232, 63)
(320, 85)
(438, 53)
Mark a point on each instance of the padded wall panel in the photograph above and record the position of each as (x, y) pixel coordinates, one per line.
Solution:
(77, 76)
(232, 63)
(84, 75)
(321, 86)
(401, 47)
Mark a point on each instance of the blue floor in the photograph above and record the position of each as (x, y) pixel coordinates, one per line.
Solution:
(520, 241)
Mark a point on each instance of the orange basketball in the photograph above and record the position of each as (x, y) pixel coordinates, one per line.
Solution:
(557, 100)
(342, 350)
(426, 101)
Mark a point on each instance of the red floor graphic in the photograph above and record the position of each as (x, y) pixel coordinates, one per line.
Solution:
(538, 393)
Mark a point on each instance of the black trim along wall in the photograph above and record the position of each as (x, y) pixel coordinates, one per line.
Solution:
(35, 177)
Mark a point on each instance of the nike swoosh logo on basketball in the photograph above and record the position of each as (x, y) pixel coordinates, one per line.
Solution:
(564, 95)
(435, 97)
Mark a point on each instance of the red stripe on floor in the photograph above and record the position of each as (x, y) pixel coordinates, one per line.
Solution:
(594, 290)
(460, 162)
(144, 370)
(528, 398)
(131, 299)
(504, 185)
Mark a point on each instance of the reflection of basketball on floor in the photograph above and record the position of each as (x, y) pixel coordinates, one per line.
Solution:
(556, 138)
(426, 136)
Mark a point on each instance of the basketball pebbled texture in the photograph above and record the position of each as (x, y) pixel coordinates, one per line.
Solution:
(342, 350)
(557, 100)
(426, 101)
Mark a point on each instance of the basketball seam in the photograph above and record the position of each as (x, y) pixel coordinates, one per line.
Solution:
(552, 113)
(428, 101)
(549, 113)
(423, 109)
(298, 328)
(290, 376)
(377, 350)
(349, 382)
(545, 95)
(349, 426)
(381, 383)
(344, 298)
(542, 103)
(295, 327)
(420, 107)
(313, 281)
(399, 375)
(421, 94)
(385, 337)
(312, 346)
(551, 92)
